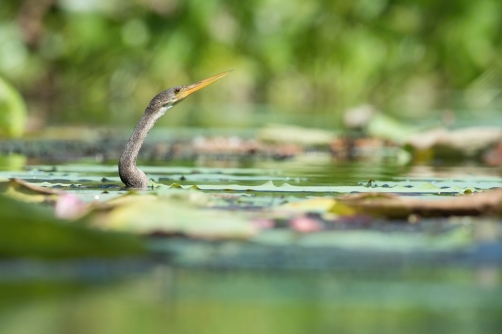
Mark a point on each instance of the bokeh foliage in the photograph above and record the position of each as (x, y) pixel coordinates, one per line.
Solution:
(98, 62)
(12, 111)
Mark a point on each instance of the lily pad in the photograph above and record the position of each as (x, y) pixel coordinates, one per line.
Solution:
(28, 230)
(27, 192)
(424, 188)
(147, 214)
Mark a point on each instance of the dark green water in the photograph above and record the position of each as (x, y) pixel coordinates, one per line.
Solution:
(174, 300)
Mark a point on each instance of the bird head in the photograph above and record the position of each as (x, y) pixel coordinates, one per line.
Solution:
(172, 96)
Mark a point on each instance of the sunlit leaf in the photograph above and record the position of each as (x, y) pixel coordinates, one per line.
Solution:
(321, 204)
(146, 214)
(27, 192)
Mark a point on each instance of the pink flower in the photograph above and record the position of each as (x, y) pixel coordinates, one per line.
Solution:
(305, 224)
(69, 206)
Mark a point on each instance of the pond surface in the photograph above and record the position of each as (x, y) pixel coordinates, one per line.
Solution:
(266, 286)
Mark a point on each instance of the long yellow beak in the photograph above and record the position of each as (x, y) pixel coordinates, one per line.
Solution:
(187, 90)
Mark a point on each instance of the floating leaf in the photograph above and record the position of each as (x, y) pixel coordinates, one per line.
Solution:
(392, 206)
(28, 230)
(146, 214)
(27, 192)
(424, 188)
(320, 204)
(457, 144)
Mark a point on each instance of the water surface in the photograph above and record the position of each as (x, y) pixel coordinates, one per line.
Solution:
(260, 289)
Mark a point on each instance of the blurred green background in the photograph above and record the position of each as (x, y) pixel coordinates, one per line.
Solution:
(100, 62)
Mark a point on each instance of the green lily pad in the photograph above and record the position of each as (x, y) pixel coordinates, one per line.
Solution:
(28, 230)
(424, 188)
(145, 214)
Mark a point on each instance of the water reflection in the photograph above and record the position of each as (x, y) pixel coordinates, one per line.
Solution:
(182, 300)
(467, 170)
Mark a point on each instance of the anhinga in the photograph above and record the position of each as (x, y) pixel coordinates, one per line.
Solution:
(129, 173)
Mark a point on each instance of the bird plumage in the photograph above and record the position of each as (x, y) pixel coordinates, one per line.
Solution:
(129, 173)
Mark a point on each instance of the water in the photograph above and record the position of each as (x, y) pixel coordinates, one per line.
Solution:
(260, 289)
(177, 300)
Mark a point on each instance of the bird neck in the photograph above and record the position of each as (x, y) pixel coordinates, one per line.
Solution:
(129, 173)
(136, 140)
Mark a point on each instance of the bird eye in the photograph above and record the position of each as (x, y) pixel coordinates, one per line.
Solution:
(177, 90)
